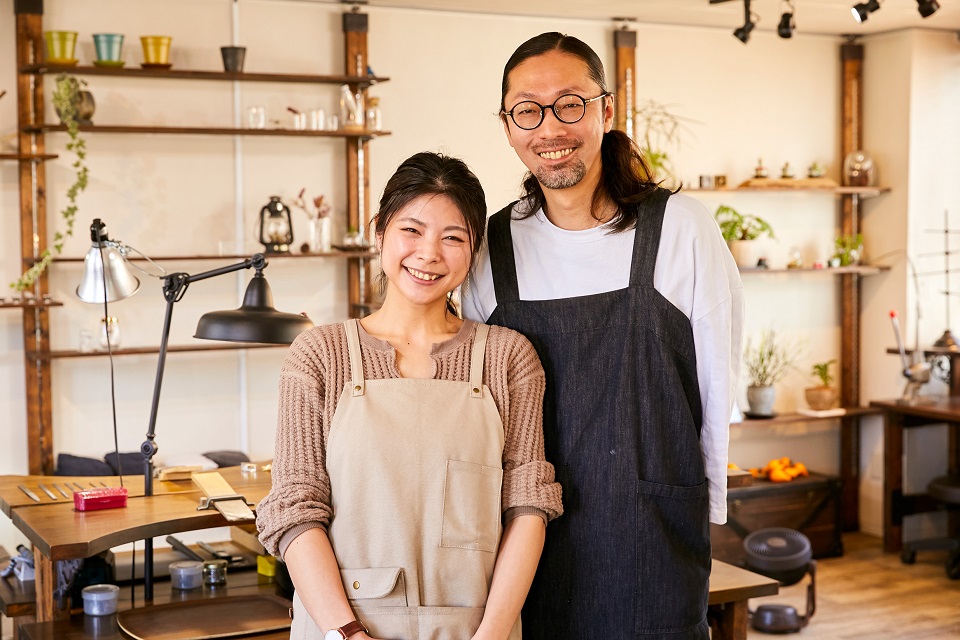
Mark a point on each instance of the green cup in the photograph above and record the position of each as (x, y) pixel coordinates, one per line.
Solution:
(60, 45)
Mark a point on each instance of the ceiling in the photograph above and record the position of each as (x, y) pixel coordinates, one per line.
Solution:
(812, 16)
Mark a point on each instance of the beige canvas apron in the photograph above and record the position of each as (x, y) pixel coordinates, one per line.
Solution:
(415, 469)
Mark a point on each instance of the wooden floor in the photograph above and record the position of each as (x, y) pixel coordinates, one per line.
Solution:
(870, 594)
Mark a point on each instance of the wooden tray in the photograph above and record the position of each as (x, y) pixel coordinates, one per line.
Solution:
(207, 618)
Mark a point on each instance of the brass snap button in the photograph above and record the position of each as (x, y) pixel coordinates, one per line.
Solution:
(356, 585)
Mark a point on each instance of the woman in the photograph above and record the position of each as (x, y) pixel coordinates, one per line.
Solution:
(409, 441)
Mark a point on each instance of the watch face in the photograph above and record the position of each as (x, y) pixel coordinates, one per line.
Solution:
(333, 634)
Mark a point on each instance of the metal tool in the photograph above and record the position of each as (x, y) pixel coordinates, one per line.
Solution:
(60, 489)
(78, 486)
(52, 495)
(177, 544)
(30, 494)
(222, 555)
(917, 373)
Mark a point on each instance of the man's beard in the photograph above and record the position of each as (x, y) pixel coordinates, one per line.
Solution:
(562, 177)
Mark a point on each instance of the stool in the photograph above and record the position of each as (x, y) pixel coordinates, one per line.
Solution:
(946, 489)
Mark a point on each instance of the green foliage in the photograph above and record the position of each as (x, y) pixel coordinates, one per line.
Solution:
(848, 249)
(741, 226)
(821, 370)
(770, 361)
(66, 97)
(660, 129)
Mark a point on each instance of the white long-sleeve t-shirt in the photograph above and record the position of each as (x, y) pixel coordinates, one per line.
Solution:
(694, 271)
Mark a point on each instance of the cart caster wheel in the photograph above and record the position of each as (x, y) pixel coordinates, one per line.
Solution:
(908, 556)
(953, 566)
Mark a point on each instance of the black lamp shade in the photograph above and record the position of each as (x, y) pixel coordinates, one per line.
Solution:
(743, 33)
(255, 321)
(785, 28)
(927, 7)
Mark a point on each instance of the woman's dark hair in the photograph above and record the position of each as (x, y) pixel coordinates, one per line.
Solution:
(428, 173)
(625, 177)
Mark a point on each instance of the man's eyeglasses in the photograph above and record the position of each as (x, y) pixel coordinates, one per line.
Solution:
(569, 109)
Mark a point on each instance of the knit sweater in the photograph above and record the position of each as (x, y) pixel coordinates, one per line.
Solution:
(312, 378)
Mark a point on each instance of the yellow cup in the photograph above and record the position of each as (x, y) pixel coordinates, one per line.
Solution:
(156, 49)
(60, 45)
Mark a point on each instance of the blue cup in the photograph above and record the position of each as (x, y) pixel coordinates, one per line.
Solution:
(108, 46)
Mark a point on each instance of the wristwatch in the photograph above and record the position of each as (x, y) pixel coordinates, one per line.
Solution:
(344, 632)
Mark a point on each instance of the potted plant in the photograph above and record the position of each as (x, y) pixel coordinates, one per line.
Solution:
(822, 396)
(767, 363)
(847, 250)
(655, 129)
(740, 230)
(66, 101)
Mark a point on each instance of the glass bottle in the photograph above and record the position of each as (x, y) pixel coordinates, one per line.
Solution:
(374, 116)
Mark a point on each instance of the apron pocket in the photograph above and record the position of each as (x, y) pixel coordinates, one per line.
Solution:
(673, 557)
(423, 623)
(381, 587)
(471, 506)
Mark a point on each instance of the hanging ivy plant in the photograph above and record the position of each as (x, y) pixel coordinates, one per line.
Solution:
(66, 98)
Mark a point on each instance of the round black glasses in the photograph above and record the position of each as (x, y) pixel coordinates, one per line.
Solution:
(568, 109)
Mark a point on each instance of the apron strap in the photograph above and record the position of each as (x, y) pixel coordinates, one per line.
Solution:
(502, 262)
(356, 362)
(646, 241)
(476, 360)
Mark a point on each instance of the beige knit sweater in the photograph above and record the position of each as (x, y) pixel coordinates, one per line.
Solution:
(312, 378)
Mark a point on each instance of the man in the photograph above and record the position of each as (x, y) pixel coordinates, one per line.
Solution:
(633, 303)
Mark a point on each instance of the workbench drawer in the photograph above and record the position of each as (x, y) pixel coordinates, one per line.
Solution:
(810, 505)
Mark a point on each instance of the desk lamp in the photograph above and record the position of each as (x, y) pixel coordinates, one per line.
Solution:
(255, 321)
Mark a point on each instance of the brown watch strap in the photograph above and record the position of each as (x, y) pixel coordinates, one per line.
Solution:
(351, 628)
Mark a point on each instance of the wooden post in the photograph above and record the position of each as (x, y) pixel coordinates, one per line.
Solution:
(625, 42)
(851, 130)
(355, 25)
(33, 236)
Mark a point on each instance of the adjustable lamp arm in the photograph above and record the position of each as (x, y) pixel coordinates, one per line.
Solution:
(174, 287)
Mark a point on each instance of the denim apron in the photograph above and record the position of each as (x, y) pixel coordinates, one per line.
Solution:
(630, 558)
(416, 475)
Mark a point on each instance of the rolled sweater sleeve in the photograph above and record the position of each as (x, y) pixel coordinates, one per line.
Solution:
(528, 479)
(299, 498)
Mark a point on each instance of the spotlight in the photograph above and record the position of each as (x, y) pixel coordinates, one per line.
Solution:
(862, 10)
(787, 25)
(743, 33)
(927, 7)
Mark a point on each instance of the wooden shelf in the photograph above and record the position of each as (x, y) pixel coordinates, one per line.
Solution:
(35, 157)
(342, 255)
(863, 270)
(789, 418)
(209, 131)
(135, 351)
(32, 304)
(187, 74)
(863, 192)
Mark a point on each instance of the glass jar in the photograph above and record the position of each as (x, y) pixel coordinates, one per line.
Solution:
(858, 170)
(215, 572)
(374, 115)
(110, 333)
(186, 574)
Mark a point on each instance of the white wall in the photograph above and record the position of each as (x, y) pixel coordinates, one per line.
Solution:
(773, 98)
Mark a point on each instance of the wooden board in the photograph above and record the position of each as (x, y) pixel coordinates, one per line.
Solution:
(788, 183)
(208, 618)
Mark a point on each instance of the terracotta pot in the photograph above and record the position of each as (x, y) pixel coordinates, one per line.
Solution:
(821, 398)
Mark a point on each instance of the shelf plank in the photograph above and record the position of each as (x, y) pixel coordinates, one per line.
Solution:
(210, 131)
(863, 192)
(35, 157)
(348, 255)
(863, 270)
(188, 74)
(7, 304)
(788, 418)
(131, 351)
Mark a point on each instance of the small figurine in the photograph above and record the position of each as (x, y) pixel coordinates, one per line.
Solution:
(760, 171)
(762, 263)
(786, 172)
(796, 259)
(816, 170)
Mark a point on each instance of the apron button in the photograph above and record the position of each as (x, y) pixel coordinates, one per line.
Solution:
(356, 388)
(475, 390)
(356, 585)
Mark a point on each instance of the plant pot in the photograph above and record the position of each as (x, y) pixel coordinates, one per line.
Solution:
(821, 398)
(760, 399)
(61, 46)
(85, 107)
(744, 252)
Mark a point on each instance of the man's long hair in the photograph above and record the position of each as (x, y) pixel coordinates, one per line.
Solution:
(625, 177)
